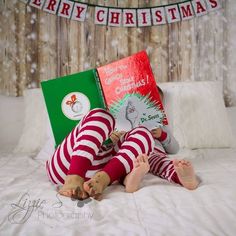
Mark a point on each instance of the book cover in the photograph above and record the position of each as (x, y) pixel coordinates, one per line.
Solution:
(131, 94)
(69, 98)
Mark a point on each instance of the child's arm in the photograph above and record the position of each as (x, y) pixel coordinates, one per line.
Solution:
(167, 140)
(113, 139)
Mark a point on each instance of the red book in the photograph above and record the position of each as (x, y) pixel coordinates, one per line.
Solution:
(130, 93)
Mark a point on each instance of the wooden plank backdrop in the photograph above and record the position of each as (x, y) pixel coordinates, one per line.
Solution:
(37, 46)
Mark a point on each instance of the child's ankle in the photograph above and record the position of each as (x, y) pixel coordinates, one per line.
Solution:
(103, 178)
(77, 178)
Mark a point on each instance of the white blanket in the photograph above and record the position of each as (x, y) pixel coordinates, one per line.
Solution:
(30, 205)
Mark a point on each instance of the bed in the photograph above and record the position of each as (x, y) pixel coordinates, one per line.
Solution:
(30, 204)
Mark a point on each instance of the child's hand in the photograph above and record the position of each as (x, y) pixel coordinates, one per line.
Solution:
(115, 136)
(156, 133)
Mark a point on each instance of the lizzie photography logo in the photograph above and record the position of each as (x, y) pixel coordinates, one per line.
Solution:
(26, 207)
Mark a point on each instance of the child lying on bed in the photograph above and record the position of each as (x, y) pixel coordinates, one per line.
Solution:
(158, 163)
(85, 167)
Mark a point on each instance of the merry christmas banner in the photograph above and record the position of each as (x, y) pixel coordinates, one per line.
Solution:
(127, 17)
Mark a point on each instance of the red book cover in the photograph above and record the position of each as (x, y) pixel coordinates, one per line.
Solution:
(131, 94)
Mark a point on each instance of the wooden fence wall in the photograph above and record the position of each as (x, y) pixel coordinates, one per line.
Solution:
(37, 46)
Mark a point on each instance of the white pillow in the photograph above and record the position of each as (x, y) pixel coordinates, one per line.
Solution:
(197, 114)
(11, 125)
(35, 123)
(46, 151)
(231, 111)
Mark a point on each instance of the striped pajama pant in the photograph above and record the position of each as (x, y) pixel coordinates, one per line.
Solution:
(162, 166)
(82, 152)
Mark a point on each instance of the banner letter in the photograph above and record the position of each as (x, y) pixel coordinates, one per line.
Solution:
(158, 16)
(101, 15)
(79, 12)
(65, 9)
(129, 18)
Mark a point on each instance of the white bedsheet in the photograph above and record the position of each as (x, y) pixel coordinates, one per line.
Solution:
(30, 206)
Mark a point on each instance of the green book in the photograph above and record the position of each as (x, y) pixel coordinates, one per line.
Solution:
(69, 98)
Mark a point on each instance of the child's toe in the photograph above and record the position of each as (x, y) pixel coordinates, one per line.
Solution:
(145, 158)
(175, 162)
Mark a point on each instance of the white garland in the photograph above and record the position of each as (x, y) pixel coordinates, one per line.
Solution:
(128, 17)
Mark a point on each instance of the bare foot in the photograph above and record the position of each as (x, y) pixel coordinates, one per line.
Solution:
(96, 185)
(73, 187)
(186, 174)
(134, 178)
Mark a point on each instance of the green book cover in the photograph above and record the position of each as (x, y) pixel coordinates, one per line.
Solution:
(69, 98)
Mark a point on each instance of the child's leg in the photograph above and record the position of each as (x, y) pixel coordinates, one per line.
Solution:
(186, 174)
(134, 178)
(161, 166)
(176, 171)
(135, 142)
(75, 155)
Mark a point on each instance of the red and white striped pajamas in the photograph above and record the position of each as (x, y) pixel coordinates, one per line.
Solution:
(160, 164)
(83, 154)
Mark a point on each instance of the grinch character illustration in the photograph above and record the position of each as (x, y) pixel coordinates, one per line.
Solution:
(75, 105)
(131, 114)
